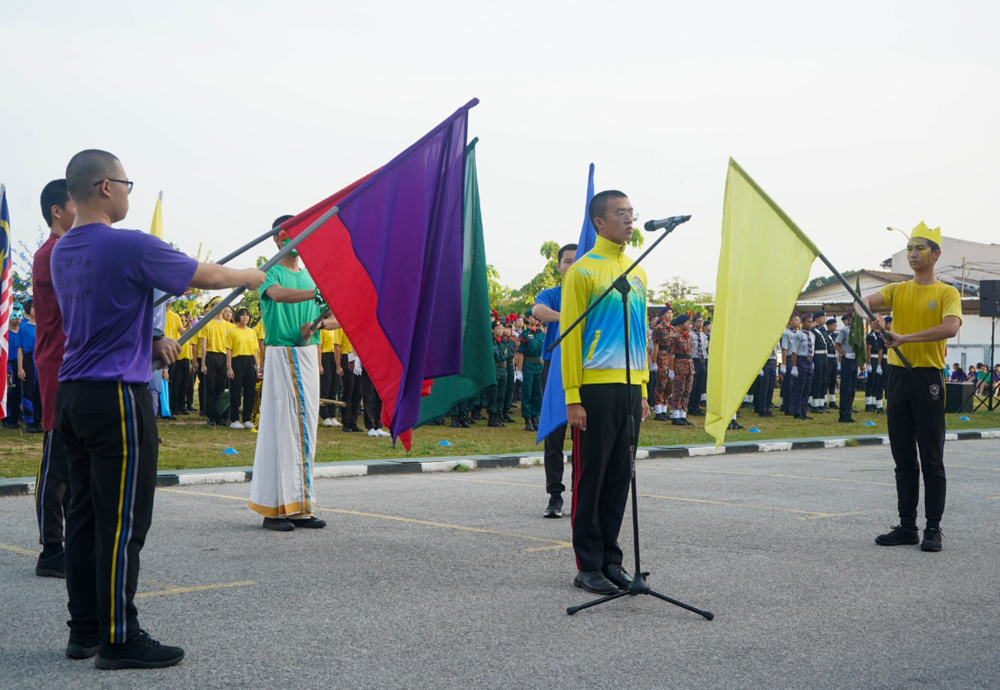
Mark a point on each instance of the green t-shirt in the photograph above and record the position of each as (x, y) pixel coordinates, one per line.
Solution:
(282, 322)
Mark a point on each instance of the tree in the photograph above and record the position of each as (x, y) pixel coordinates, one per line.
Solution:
(826, 280)
(682, 296)
(498, 292)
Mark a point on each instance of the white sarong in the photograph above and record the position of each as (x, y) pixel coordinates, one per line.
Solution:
(282, 481)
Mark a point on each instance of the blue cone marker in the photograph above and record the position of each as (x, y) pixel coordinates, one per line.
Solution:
(230, 451)
(755, 430)
(444, 443)
(964, 419)
(869, 423)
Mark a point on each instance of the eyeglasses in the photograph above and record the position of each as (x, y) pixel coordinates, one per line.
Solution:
(128, 184)
(620, 215)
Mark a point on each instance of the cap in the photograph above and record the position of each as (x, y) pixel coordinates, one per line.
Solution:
(819, 314)
(829, 321)
(683, 318)
(888, 319)
(527, 314)
(708, 322)
(934, 235)
(696, 316)
(847, 316)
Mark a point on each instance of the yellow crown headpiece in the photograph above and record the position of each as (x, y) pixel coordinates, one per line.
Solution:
(934, 235)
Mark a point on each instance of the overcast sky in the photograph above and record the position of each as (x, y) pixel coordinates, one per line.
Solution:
(853, 116)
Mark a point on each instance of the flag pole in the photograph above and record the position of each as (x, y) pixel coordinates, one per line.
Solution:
(859, 302)
(230, 256)
(224, 302)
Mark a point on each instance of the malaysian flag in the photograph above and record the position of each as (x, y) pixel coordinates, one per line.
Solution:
(6, 296)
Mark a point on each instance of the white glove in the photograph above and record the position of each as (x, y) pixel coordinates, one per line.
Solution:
(653, 367)
(878, 370)
(761, 373)
(357, 367)
(518, 376)
(783, 370)
(868, 368)
(670, 374)
(795, 371)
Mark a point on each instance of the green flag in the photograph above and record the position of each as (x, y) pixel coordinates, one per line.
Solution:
(478, 372)
(857, 338)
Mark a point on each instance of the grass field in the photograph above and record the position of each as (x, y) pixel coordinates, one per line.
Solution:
(189, 444)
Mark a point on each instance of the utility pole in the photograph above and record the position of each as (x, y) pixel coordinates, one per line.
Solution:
(960, 301)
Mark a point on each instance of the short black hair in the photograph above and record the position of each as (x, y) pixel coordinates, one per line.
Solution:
(28, 306)
(599, 204)
(563, 249)
(279, 220)
(55, 193)
(933, 245)
(240, 312)
(86, 168)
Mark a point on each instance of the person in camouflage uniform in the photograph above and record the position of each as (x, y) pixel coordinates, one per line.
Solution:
(661, 337)
(680, 369)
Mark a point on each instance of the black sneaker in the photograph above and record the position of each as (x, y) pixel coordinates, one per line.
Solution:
(278, 524)
(554, 509)
(141, 651)
(901, 535)
(51, 566)
(82, 645)
(932, 539)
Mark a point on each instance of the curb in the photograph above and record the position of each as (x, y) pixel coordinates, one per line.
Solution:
(25, 486)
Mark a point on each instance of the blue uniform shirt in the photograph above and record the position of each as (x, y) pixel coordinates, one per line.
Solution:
(551, 298)
(25, 338)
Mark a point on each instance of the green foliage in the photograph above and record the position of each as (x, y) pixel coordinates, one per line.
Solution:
(826, 280)
(499, 293)
(682, 296)
(20, 286)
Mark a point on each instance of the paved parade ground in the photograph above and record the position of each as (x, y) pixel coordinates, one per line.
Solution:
(454, 580)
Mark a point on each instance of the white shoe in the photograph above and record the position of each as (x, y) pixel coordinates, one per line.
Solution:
(248, 425)
(236, 425)
(382, 433)
(373, 433)
(335, 422)
(330, 421)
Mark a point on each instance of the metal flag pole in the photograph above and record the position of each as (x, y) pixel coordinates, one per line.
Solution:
(857, 300)
(232, 255)
(223, 303)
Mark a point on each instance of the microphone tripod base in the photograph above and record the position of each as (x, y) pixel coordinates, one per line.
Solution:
(640, 586)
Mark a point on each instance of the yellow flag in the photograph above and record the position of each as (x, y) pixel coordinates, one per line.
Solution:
(157, 228)
(763, 265)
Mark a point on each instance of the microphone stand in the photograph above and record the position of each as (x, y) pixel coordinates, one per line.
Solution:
(638, 584)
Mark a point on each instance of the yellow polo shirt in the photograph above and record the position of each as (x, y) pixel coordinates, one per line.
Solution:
(916, 308)
(242, 341)
(214, 334)
(326, 341)
(340, 338)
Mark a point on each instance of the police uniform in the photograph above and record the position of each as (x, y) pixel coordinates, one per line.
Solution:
(786, 383)
(768, 377)
(531, 369)
(875, 385)
(831, 365)
(681, 348)
(817, 394)
(801, 348)
(699, 360)
(848, 369)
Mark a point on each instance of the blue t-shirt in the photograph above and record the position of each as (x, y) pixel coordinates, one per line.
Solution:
(104, 280)
(26, 338)
(551, 298)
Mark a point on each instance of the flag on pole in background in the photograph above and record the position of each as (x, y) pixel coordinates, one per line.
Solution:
(478, 372)
(390, 266)
(6, 296)
(857, 335)
(157, 382)
(764, 263)
(553, 414)
(156, 229)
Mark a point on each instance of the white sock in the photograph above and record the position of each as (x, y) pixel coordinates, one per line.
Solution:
(684, 414)
(750, 399)
(675, 414)
(878, 404)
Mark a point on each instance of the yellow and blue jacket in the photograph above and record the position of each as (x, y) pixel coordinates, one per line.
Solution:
(595, 351)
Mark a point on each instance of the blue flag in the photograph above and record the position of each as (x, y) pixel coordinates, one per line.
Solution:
(553, 413)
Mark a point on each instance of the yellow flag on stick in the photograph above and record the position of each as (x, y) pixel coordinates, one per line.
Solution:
(157, 228)
(763, 266)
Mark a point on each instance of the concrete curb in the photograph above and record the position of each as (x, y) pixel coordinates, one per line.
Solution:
(24, 486)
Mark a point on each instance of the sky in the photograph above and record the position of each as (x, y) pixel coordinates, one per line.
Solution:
(853, 116)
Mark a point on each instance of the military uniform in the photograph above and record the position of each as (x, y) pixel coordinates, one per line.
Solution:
(681, 347)
(495, 396)
(877, 368)
(510, 352)
(531, 368)
(768, 377)
(661, 338)
(821, 346)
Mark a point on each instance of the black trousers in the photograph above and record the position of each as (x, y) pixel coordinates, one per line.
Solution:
(109, 433)
(30, 389)
(201, 391)
(352, 393)
(786, 385)
(52, 494)
(831, 372)
(698, 384)
(554, 443)
(180, 381)
(13, 395)
(801, 387)
(875, 385)
(602, 471)
(762, 399)
(329, 384)
(915, 412)
(848, 382)
(216, 379)
(373, 403)
(242, 388)
(820, 379)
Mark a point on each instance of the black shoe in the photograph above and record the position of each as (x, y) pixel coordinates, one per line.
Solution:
(660, 417)
(686, 422)
(210, 422)
(51, 566)
(308, 523)
(34, 429)
(494, 422)
(932, 539)
(879, 410)
(765, 414)
(677, 421)
(82, 645)
(505, 417)
(534, 422)
(475, 416)
(802, 416)
(833, 406)
(182, 411)
(617, 575)
(901, 535)
(528, 426)
(773, 406)
(555, 506)
(471, 421)
(455, 424)
(696, 412)
(846, 421)
(735, 426)
(438, 422)
(11, 425)
(466, 424)
(594, 581)
(141, 651)
(278, 524)
(355, 428)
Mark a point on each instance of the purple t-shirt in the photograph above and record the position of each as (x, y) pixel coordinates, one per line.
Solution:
(104, 280)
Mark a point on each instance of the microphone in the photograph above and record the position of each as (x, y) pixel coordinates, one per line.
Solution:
(671, 222)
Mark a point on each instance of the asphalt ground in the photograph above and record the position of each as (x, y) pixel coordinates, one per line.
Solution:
(454, 580)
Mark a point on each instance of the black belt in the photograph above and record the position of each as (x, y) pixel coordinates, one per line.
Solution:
(682, 356)
(532, 360)
(500, 365)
